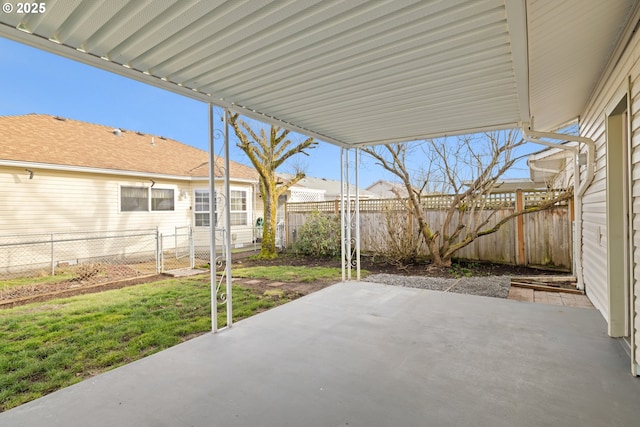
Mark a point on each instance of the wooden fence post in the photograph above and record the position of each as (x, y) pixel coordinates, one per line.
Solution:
(520, 253)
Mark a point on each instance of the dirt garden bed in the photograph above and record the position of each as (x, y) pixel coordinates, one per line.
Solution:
(116, 277)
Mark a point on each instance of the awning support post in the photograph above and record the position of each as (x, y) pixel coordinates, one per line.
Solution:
(343, 249)
(349, 218)
(212, 226)
(227, 218)
(357, 215)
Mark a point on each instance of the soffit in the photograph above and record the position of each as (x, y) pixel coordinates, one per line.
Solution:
(570, 45)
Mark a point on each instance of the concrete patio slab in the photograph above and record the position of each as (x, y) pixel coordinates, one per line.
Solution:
(364, 354)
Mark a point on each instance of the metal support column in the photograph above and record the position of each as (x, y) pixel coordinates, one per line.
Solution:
(357, 215)
(227, 218)
(212, 226)
(343, 251)
(348, 216)
(349, 219)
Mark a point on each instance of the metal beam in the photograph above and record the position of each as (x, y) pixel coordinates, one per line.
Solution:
(517, 21)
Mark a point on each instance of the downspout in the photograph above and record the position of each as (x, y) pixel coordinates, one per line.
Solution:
(581, 187)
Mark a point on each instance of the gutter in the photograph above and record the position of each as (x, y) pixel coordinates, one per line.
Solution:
(533, 167)
(581, 187)
(115, 172)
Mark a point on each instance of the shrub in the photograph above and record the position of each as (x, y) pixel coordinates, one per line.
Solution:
(87, 271)
(319, 236)
(396, 240)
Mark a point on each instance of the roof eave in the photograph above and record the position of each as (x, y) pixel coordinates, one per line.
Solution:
(102, 171)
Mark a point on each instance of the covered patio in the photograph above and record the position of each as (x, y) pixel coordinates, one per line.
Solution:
(364, 354)
(355, 73)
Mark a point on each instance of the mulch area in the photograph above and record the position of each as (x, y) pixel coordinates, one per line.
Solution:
(375, 266)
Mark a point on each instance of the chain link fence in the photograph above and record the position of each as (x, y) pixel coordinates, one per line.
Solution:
(105, 256)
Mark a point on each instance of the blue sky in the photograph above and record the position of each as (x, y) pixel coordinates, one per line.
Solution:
(34, 81)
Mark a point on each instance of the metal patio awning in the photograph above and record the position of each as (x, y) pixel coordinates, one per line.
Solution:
(350, 72)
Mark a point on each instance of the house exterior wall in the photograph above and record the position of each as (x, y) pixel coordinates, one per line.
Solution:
(594, 227)
(66, 201)
(241, 235)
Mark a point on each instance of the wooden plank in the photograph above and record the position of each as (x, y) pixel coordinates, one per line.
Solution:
(546, 279)
(545, 288)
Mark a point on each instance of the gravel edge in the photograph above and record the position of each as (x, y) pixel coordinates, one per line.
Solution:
(488, 286)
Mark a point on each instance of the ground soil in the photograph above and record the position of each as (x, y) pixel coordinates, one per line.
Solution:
(119, 279)
(374, 266)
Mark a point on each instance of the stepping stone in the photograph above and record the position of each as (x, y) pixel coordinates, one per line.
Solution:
(275, 284)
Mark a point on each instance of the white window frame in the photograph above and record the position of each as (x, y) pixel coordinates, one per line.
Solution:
(149, 197)
(124, 188)
(173, 199)
(204, 211)
(239, 213)
(242, 213)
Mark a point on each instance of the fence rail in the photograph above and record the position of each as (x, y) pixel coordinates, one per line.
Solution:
(530, 198)
(543, 238)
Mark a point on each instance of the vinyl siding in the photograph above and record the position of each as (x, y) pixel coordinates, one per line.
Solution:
(56, 201)
(635, 192)
(594, 227)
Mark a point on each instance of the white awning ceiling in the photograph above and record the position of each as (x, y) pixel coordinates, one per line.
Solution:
(350, 72)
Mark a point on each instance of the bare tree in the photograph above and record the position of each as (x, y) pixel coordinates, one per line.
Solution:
(467, 170)
(267, 153)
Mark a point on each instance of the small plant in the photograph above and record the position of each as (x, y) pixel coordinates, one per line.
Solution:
(88, 271)
(319, 236)
(458, 271)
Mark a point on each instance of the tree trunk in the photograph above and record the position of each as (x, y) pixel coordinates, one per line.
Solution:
(268, 250)
(436, 258)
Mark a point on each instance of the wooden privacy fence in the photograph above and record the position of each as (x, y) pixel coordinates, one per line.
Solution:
(543, 238)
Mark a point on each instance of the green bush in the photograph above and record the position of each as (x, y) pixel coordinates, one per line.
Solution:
(319, 236)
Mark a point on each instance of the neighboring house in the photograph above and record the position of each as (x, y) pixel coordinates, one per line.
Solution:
(388, 190)
(552, 167)
(330, 189)
(63, 175)
(509, 185)
(311, 189)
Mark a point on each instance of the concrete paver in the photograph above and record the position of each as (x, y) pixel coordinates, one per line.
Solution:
(545, 297)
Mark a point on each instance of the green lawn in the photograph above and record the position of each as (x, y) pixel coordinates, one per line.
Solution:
(289, 273)
(47, 346)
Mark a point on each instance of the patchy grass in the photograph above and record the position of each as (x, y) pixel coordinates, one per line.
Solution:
(284, 273)
(48, 346)
(30, 281)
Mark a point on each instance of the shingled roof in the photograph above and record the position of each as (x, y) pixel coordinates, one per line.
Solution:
(46, 139)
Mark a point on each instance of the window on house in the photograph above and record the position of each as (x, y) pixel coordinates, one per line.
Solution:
(201, 208)
(134, 199)
(162, 199)
(238, 205)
